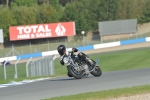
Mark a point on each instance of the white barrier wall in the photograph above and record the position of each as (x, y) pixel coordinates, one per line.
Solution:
(91, 47)
(106, 45)
(147, 39)
(8, 58)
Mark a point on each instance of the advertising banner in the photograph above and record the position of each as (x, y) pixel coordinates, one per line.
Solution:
(127, 26)
(1, 36)
(42, 31)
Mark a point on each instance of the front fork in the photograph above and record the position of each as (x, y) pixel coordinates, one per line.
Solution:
(97, 61)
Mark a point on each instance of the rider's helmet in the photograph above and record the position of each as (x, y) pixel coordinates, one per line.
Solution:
(61, 49)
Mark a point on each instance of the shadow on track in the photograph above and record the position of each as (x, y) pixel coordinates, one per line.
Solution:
(68, 78)
(64, 79)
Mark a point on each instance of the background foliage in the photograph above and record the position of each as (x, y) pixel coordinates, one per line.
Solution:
(85, 13)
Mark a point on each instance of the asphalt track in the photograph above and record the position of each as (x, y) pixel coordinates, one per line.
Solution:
(61, 86)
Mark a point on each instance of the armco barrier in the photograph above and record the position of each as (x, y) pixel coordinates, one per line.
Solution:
(147, 39)
(133, 41)
(8, 58)
(91, 47)
(26, 56)
(106, 45)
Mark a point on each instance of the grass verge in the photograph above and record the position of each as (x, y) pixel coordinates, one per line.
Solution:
(100, 95)
(113, 61)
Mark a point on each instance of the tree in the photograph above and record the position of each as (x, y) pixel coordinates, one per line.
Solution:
(24, 15)
(129, 9)
(58, 14)
(107, 10)
(138, 9)
(64, 2)
(46, 14)
(6, 19)
(27, 3)
(146, 13)
(93, 17)
(43, 2)
(70, 13)
(7, 2)
(77, 11)
(113, 6)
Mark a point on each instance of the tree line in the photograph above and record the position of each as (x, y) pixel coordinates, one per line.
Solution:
(85, 13)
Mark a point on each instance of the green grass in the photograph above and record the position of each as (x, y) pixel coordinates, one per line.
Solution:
(106, 94)
(112, 61)
(10, 71)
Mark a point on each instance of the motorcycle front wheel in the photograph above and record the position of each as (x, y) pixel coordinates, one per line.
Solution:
(76, 74)
(97, 72)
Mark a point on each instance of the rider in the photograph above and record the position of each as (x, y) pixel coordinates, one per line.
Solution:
(64, 57)
(62, 52)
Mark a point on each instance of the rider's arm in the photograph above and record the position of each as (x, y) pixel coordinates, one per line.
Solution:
(64, 59)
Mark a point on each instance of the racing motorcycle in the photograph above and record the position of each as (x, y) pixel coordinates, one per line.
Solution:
(81, 65)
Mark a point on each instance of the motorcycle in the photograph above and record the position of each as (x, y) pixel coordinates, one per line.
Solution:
(81, 65)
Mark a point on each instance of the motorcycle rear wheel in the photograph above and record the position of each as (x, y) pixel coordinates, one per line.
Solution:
(97, 72)
(74, 73)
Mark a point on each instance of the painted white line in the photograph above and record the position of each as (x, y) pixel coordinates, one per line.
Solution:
(12, 83)
(1, 86)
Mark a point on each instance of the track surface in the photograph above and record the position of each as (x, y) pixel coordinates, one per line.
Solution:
(66, 86)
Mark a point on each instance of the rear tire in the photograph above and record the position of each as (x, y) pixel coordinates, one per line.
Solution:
(97, 72)
(74, 73)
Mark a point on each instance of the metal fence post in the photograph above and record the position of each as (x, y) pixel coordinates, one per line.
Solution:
(27, 71)
(46, 67)
(40, 68)
(44, 72)
(52, 70)
(16, 72)
(5, 70)
(5, 73)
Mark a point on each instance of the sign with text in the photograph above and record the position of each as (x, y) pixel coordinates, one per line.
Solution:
(42, 31)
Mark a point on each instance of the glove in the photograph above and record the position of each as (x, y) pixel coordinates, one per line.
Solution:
(62, 63)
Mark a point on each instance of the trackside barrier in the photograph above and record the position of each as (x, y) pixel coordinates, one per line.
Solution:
(5, 74)
(41, 67)
(91, 47)
(16, 71)
(27, 72)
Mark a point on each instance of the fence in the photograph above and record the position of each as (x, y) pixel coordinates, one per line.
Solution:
(31, 68)
(41, 67)
(49, 46)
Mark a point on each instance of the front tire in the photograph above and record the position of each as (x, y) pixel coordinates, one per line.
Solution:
(74, 73)
(97, 72)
